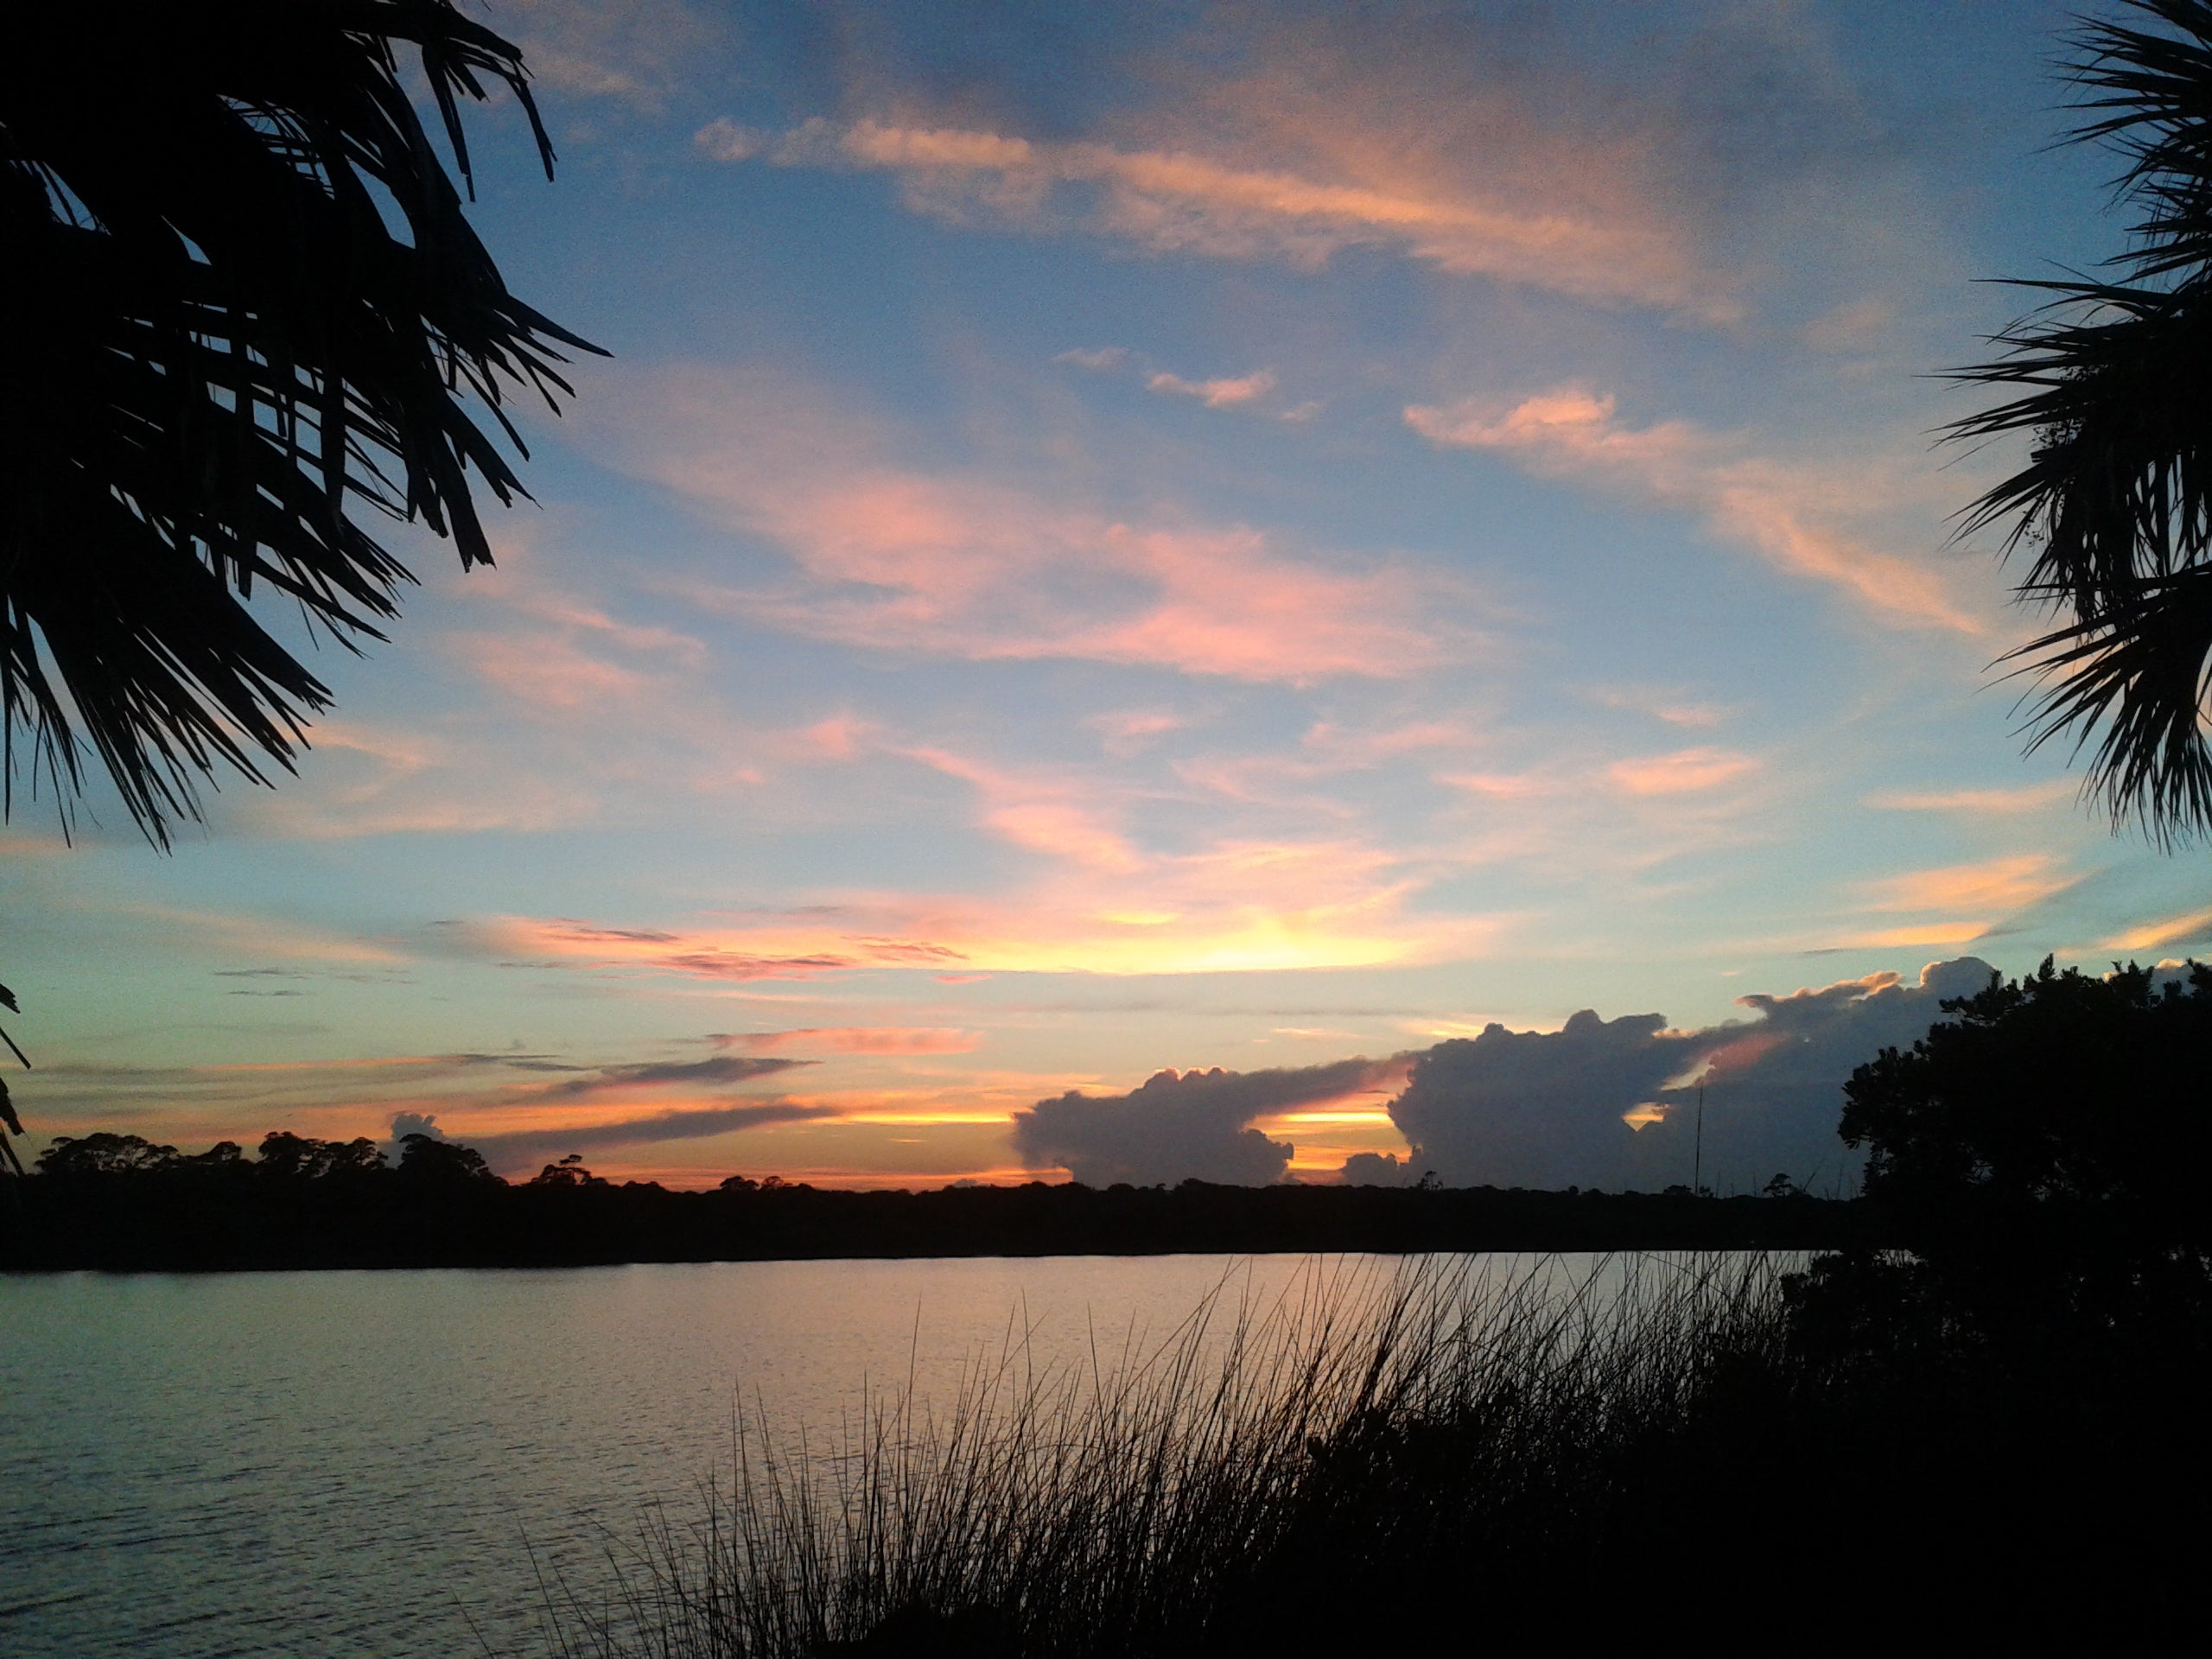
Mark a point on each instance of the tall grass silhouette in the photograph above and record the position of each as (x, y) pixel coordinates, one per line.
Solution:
(1368, 1420)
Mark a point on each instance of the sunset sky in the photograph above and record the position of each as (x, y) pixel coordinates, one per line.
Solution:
(1114, 539)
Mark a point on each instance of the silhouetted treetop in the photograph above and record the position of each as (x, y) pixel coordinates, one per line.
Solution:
(103, 1154)
(2056, 1090)
(2116, 499)
(425, 1158)
(244, 303)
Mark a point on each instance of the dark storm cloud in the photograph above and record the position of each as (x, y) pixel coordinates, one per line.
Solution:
(1536, 1109)
(1177, 1127)
(1546, 1109)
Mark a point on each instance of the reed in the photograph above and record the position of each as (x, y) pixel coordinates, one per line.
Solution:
(1209, 1491)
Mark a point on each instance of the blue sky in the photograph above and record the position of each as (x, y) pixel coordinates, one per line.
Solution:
(1120, 539)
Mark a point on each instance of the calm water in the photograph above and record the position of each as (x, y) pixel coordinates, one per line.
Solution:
(366, 1463)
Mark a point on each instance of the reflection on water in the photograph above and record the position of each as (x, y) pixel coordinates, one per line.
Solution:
(351, 1463)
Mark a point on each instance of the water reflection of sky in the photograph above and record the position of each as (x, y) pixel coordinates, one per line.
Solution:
(341, 1463)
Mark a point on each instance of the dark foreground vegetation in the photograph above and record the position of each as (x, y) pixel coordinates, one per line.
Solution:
(1997, 1430)
(117, 1203)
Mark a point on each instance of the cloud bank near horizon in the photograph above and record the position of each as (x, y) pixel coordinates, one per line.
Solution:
(1172, 1128)
(1597, 1103)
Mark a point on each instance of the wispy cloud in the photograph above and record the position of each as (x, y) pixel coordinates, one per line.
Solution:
(854, 1040)
(1097, 359)
(1684, 771)
(1784, 512)
(1183, 202)
(638, 52)
(2192, 927)
(959, 562)
(1232, 906)
(683, 1074)
(2024, 798)
(2004, 884)
(1222, 393)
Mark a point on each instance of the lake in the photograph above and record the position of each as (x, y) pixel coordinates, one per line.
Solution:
(382, 1462)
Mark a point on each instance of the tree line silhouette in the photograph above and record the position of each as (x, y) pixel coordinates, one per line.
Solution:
(121, 1203)
(2042, 1148)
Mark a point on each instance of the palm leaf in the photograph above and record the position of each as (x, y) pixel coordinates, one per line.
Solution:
(247, 311)
(2109, 377)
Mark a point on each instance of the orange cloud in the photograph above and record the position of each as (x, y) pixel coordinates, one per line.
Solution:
(1920, 933)
(2173, 929)
(1235, 907)
(2001, 884)
(1682, 773)
(1572, 432)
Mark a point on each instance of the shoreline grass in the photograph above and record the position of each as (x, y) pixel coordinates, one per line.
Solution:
(1369, 1424)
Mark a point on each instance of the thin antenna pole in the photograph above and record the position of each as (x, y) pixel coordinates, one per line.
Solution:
(1697, 1161)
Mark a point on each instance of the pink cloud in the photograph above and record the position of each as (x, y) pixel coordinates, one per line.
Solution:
(1572, 432)
(1215, 394)
(958, 562)
(1682, 773)
(1046, 815)
(1369, 188)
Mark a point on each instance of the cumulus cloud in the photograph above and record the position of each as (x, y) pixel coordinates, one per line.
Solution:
(1177, 1127)
(1551, 1109)
(1536, 1109)
(1376, 1169)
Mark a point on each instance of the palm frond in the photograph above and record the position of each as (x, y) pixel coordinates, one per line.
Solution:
(245, 305)
(2116, 498)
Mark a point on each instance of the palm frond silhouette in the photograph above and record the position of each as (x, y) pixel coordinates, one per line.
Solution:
(244, 305)
(2116, 502)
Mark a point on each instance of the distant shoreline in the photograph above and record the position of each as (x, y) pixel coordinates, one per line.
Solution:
(194, 1221)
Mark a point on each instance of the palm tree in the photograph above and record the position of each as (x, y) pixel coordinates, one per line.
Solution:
(2114, 379)
(243, 303)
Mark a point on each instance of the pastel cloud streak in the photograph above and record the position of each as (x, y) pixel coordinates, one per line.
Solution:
(2196, 924)
(1784, 512)
(1223, 393)
(961, 563)
(1237, 907)
(1181, 201)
